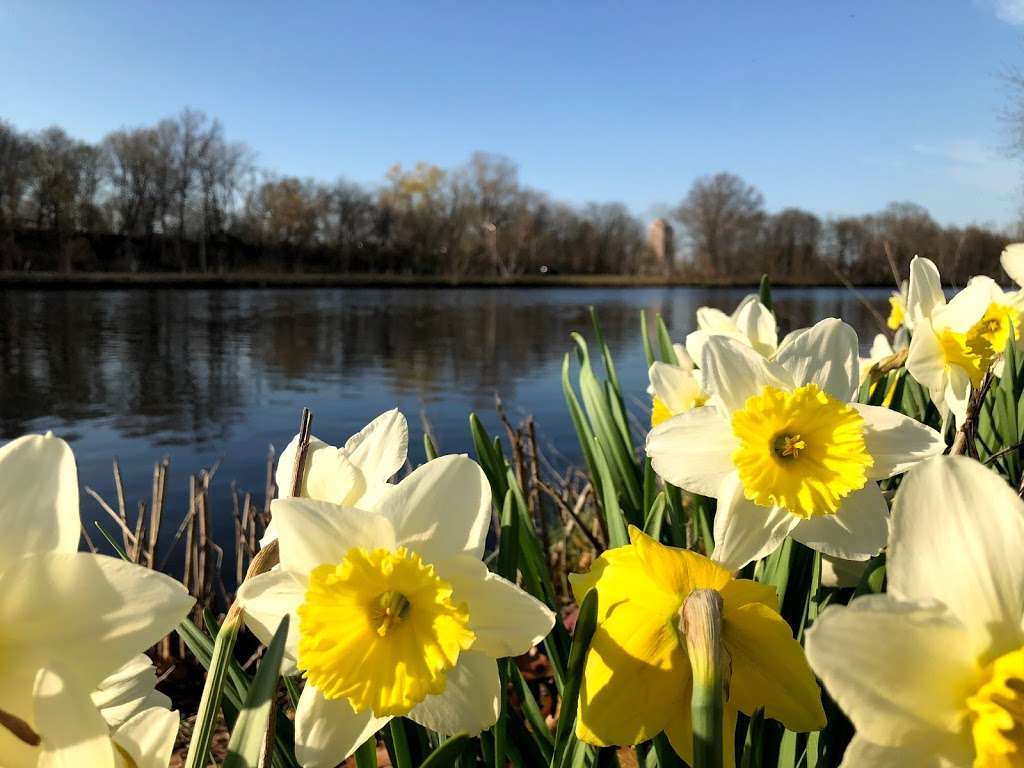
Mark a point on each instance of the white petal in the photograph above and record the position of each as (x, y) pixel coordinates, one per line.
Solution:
(380, 448)
(957, 537)
(925, 292)
(881, 347)
(755, 321)
(926, 361)
(683, 359)
(312, 533)
(856, 532)
(73, 732)
(825, 355)
(39, 503)
(1012, 260)
(898, 670)
(744, 531)
(328, 731)
(934, 751)
(327, 474)
(967, 307)
(92, 612)
(470, 701)
(441, 509)
(128, 691)
(837, 572)
(896, 442)
(676, 386)
(957, 394)
(735, 372)
(506, 620)
(714, 320)
(693, 450)
(268, 598)
(148, 737)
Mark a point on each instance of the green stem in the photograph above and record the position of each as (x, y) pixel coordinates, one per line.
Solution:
(701, 624)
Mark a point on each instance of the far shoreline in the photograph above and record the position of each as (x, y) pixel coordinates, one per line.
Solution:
(241, 280)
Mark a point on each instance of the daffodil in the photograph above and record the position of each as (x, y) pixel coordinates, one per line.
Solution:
(1012, 259)
(68, 619)
(786, 451)
(932, 673)
(956, 343)
(393, 612)
(898, 308)
(142, 725)
(636, 680)
(674, 388)
(351, 476)
(751, 323)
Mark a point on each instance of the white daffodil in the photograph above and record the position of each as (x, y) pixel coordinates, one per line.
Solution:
(68, 619)
(786, 452)
(898, 307)
(1012, 259)
(674, 388)
(956, 343)
(881, 349)
(351, 476)
(393, 612)
(932, 673)
(751, 323)
(142, 725)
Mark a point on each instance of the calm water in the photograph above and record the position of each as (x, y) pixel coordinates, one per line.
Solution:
(206, 375)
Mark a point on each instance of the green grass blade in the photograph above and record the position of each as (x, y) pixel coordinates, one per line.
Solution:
(668, 352)
(429, 448)
(446, 754)
(645, 335)
(366, 754)
(209, 704)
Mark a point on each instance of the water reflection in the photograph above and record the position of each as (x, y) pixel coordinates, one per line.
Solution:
(198, 367)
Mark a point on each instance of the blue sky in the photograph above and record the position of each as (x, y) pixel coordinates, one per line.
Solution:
(836, 106)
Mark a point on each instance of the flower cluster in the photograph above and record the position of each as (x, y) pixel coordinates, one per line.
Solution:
(793, 520)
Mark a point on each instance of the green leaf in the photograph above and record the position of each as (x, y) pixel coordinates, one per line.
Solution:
(586, 623)
(646, 337)
(446, 754)
(428, 447)
(764, 292)
(366, 754)
(668, 352)
(250, 729)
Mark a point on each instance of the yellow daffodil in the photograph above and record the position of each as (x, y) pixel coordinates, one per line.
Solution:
(68, 619)
(932, 673)
(674, 388)
(751, 323)
(956, 343)
(142, 725)
(393, 612)
(636, 681)
(351, 476)
(786, 451)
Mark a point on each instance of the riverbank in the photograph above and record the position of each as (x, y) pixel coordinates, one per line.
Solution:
(369, 280)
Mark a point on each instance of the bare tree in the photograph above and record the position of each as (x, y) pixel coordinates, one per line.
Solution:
(721, 215)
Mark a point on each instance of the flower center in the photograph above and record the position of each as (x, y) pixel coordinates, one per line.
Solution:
(997, 714)
(380, 629)
(803, 451)
(971, 351)
(789, 446)
(994, 330)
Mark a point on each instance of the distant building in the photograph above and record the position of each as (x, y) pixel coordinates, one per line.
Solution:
(661, 238)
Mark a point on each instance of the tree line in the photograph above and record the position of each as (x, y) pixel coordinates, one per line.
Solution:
(180, 196)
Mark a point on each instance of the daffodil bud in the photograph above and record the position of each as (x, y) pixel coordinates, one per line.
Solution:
(700, 622)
